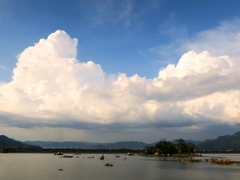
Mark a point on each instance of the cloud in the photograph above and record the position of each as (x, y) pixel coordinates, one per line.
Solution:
(51, 88)
(221, 40)
(2, 67)
(112, 12)
(98, 12)
(170, 27)
(126, 13)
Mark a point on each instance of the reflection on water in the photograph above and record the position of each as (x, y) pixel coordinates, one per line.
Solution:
(46, 166)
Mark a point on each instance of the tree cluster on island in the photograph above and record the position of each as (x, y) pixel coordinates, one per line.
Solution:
(164, 147)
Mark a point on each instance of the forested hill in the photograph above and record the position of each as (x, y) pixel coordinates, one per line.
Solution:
(227, 142)
(6, 142)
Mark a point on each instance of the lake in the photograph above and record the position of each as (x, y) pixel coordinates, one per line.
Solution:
(88, 166)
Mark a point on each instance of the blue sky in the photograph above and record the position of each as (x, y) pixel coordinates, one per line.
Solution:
(162, 57)
(111, 33)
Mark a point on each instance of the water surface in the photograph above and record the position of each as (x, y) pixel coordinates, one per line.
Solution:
(88, 166)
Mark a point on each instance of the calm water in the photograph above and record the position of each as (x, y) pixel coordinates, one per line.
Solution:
(45, 167)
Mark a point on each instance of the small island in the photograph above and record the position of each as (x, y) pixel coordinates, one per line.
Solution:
(163, 148)
(180, 151)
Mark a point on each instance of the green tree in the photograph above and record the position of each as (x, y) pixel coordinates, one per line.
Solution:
(165, 147)
(150, 150)
(190, 147)
(183, 148)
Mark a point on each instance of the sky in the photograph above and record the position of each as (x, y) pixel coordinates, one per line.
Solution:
(110, 70)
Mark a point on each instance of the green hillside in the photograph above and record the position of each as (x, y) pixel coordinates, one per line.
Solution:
(227, 142)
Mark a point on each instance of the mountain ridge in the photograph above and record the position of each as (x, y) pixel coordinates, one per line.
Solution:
(89, 145)
(6, 142)
(226, 142)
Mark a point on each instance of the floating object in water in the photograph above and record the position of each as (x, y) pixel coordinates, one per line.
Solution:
(68, 156)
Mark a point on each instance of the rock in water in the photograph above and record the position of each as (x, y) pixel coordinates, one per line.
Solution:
(101, 157)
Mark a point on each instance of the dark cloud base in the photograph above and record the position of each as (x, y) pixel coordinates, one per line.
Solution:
(182, 129)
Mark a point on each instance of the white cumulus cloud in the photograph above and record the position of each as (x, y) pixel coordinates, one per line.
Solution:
(51, 86)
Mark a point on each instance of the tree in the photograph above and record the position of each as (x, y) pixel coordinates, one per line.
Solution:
(166, 147)
(150, 150)
(183, 148)
(190, 147)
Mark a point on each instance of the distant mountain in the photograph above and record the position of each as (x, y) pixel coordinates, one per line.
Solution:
(6, 142)
(226, 142)
(193, 142)
(188, 141)
(87, 145)
(66, 144)
(121, 145)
